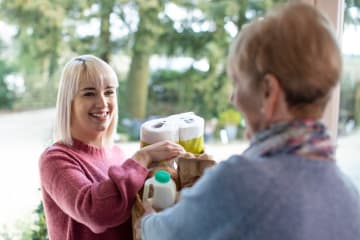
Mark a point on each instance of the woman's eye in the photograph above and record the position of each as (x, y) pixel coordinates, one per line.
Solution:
(88, 94)
(109, 93)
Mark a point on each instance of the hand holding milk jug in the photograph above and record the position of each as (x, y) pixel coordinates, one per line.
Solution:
(163, 190)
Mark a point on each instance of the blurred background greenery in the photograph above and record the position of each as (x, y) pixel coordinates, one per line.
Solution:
(170, 57)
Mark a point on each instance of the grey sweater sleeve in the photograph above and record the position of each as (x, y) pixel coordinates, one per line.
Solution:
(203, 211)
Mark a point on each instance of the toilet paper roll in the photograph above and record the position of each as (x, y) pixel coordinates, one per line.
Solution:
(191, 131)
(187, 129)
(157, 130)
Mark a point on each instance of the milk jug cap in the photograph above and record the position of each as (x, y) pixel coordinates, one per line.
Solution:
(162, 176)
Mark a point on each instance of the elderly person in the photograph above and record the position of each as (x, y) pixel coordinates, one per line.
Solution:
(88, 185)
(286, 185)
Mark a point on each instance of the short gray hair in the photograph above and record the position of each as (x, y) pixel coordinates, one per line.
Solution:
(296, 43)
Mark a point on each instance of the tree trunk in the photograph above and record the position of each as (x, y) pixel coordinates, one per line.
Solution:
(104, 46)
(145, 39)
(138, 84)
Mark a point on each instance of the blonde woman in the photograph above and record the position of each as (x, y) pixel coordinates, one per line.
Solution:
(88, 186)
(286, 185)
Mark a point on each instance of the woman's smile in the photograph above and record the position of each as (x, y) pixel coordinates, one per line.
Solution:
(100, 116)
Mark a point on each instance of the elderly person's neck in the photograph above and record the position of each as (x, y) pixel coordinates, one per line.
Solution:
(276, 107)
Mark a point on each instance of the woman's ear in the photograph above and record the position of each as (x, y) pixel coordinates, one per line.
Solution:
(272, 92)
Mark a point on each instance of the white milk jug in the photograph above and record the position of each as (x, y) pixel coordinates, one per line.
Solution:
(163, 190)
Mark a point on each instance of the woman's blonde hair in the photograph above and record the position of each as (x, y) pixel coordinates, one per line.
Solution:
(296, 43)
(81, 68)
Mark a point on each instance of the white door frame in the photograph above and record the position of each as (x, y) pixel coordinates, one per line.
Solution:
(334, 9)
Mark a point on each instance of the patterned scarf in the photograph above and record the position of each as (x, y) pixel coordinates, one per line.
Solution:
(306, 138)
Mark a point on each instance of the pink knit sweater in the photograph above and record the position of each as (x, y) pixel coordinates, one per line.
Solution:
(88, 192)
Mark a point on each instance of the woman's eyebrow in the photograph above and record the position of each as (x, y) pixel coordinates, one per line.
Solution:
(94, 89)
(88, 89)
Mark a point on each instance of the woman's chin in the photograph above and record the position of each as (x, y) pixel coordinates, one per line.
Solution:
(101, 129)
(101, 126)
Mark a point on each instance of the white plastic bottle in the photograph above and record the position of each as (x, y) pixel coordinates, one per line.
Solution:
(164, 190)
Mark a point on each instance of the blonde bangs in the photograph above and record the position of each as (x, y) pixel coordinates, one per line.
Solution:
(98, 74)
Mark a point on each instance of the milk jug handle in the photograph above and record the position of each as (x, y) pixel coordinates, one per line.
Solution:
(146, 191)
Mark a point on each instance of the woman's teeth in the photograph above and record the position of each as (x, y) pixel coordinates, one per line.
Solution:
(99, 115)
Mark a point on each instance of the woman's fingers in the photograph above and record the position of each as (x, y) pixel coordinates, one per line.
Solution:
(164, 150)
(147, 207)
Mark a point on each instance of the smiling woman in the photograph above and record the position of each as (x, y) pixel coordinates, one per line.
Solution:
(88, 187)
(91, 84)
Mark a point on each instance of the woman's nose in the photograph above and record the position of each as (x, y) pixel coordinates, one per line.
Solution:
(101, 101)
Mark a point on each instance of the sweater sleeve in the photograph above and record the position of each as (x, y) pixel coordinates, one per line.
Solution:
(98, 205)
(198, 214)
(213, 208)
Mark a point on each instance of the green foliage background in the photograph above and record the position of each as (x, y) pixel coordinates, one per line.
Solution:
(49, 32)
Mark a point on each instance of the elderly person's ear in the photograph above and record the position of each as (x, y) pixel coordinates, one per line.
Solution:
(274, 103)
(271, 86)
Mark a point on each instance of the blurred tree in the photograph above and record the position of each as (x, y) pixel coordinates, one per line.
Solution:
(104, 47)
(48, 27)
(87, 14)
(156, 29)
(7, 95)
(39, 25)
(175, 91)
(348, 88)
(352, 12)
(205, 34)
(39, 230)
(50, 30)
(350, 84)
(146, 36)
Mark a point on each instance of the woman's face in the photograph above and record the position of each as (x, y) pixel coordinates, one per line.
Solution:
(93, 109)
(249, 102)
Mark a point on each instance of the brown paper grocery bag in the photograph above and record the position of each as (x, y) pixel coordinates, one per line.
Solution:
(136, 213)
(189, 170)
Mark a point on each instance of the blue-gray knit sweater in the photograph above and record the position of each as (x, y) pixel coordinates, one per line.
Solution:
(280, 198)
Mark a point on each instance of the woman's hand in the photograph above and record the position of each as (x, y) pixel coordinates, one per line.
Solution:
(158, 151)
(147, 208)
